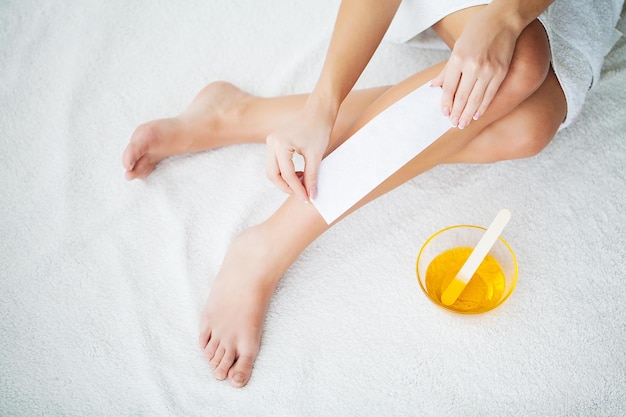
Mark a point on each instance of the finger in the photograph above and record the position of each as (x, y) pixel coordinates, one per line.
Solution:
(461, 96)
(449, 86)
(311, 168)
(273, 173)
(438, 80)
(288, 174)
(474, 100)
(490, 93)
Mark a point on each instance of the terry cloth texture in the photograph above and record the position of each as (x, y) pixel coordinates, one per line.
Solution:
(102, 280)
(581, 33)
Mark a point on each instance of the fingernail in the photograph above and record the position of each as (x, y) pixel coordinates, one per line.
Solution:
(237, 380)
(476, 116)
(462, 124)
(313, 193)
(446, 111)
(455, 121)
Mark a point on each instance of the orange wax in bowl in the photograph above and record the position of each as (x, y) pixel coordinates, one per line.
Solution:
(443, 255)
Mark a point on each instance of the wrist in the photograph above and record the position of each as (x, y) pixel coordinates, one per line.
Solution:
(323, 103)
(509, 18)
(517, 14)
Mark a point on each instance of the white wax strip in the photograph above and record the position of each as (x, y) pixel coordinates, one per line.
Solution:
(379, 149)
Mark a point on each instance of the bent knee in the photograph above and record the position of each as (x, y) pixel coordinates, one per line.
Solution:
(530, 138)
(530, 62)
(531, 143)
(522, 134)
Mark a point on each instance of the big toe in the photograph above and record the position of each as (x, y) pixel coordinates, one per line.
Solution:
(143, 138)
(141, 169)
(137, 147)
(240, 372)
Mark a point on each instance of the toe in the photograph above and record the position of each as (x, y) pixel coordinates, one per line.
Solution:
(221, 371)
(211, 348)
(138, 146)
(240, 372)
(130, 156)
(143, 167)
(217, 358)
(204, 335)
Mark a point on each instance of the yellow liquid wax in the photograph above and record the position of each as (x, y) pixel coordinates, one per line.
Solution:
(482, 292)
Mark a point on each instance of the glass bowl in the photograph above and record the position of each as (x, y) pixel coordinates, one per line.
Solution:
(443, 254)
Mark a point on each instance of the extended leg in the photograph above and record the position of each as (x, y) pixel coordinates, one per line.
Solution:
(220, 115)
(233, 317)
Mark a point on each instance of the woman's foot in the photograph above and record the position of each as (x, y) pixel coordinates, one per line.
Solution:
(232, 320)
(200, 127)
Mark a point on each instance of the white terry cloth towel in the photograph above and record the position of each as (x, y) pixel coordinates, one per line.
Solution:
(580, 32)
(102, 280)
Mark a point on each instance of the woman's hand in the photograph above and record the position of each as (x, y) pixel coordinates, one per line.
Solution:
(307, 134)
(351, 47)
(477, 66)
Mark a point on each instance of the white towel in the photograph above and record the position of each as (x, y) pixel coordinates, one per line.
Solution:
(102, 281)
(581, 33)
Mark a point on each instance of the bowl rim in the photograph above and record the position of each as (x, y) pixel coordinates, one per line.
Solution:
(458, 226)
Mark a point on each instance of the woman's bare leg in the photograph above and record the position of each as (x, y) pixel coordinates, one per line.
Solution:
(220, 115)
(232, 320)
(522, 133)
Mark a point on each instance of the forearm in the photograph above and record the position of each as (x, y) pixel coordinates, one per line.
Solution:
(517, 14)
(359, 28)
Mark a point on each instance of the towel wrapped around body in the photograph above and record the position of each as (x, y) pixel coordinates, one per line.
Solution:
(580, 32)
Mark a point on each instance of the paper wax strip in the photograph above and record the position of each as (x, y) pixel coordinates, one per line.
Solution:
(379, 149)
